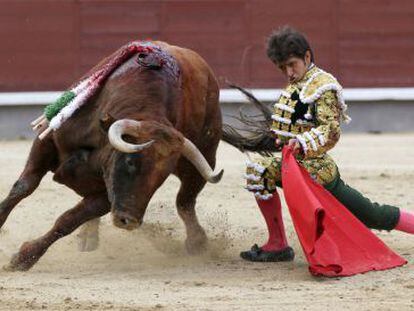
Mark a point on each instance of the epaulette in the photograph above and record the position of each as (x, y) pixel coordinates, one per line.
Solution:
(319, 83)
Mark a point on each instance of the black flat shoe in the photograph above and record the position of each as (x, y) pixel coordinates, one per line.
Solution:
(259, 255)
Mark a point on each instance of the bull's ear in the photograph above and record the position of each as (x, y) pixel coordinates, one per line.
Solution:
(105, 122)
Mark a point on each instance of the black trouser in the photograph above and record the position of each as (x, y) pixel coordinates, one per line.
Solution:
(373, 215)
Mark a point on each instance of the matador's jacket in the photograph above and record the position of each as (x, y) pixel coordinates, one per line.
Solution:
(311, 111)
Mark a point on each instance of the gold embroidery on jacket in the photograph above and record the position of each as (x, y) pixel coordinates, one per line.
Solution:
(318, 130)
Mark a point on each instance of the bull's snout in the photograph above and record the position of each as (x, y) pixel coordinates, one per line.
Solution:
(124, 220)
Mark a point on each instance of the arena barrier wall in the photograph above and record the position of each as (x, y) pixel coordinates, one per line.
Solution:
(374, 110)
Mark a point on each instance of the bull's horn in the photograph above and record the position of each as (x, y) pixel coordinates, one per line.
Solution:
(122, 127)
(191, 152)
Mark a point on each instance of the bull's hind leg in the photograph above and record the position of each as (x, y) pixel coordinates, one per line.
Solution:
(30, 252)
(42, 158)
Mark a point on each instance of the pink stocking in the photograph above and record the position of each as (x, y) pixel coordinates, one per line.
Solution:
(406, 222)
(272, 212)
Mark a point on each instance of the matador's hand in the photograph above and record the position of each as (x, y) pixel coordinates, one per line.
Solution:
(295, 145)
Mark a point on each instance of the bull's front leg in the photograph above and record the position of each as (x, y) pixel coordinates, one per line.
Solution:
(88, 236)
(77, 173)
(30, 252)
(196, 241)
(42, 158)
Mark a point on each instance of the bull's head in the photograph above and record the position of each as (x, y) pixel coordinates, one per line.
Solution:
(146, 152)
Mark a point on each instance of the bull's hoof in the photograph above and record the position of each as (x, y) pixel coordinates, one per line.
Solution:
(88, 236)
(16, 264)
(29, 253)
(196, 245)
(88, 243)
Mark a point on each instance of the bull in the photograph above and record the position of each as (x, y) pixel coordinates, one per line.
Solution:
(143, 125)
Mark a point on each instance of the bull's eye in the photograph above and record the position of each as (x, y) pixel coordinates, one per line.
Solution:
(130, 162)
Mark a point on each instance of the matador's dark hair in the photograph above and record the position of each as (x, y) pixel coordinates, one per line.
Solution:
(287, 42)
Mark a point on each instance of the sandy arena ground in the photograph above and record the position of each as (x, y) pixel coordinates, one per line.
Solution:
(148, 269)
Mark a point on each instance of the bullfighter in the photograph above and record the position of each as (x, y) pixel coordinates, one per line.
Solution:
(307, 117)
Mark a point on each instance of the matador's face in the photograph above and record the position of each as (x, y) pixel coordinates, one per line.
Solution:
(294, 68)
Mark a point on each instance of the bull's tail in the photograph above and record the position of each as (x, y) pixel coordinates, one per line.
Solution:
(255, 135)
(256, 142)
